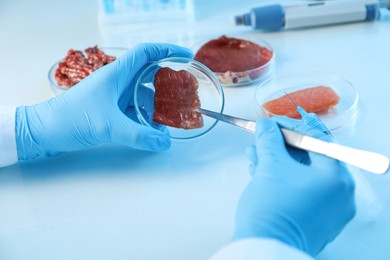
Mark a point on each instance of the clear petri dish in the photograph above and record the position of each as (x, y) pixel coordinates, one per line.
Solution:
(246, 77)
(210, 93)
(57, 89)
(340, 116)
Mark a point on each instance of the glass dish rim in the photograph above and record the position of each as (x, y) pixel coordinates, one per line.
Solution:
(300, 73)
(210, 74)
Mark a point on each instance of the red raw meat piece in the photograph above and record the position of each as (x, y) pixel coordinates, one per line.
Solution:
(176, 99)
(313, 100)
(97, 57)
(232, 54)
(75, 66)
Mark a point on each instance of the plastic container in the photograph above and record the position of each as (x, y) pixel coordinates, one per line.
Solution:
(129, 22)
(113, 51)
(247, 77)
(342, 115)
(210, 94)
(139, 12)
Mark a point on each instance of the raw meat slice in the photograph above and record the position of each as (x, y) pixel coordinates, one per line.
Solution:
(232, 54)
(176, 99)
(76, 66)
(315, 99)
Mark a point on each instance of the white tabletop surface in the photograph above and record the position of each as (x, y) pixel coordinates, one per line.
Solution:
(117, 203)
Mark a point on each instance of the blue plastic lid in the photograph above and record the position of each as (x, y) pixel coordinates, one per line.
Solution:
(269, 17)
(373, 12)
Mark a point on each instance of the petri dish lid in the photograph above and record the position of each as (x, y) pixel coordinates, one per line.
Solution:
(340, 116)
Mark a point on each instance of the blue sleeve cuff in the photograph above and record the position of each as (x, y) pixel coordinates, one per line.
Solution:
(8, 152)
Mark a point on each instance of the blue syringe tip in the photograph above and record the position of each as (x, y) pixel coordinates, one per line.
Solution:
(239, 20)
(312, 120)
(268, 17)
(243, 19)
(301, 111)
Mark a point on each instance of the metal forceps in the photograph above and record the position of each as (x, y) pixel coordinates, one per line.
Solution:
(369, 161)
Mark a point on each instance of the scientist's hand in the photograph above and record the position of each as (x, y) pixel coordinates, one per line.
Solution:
(303, 204)
(98, 110)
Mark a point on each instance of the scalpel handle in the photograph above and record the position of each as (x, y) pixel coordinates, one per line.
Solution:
(369, 161)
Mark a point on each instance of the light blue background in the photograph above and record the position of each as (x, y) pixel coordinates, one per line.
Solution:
(116, 203)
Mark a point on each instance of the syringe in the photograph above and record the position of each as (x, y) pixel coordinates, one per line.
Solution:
(315, 13)
(311, 119)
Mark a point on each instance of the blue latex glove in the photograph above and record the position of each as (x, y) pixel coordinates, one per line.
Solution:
(98, 110)
(303, 204)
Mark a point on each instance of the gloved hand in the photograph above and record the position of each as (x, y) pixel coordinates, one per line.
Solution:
(303, 203)
(98, 110)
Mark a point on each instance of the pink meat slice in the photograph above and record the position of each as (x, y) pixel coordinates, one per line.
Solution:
(176, 99)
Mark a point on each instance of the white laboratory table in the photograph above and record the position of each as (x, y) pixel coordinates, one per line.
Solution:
(117, 203)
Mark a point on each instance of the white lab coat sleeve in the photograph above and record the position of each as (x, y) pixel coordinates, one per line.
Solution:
(259, 249)
(8, 152)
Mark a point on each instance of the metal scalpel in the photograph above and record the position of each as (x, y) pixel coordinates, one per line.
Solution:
(368, 161)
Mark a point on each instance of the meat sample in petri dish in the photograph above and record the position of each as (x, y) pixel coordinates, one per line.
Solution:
(317, 99)
(176, 99)
(78, 65)
(236, 61)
